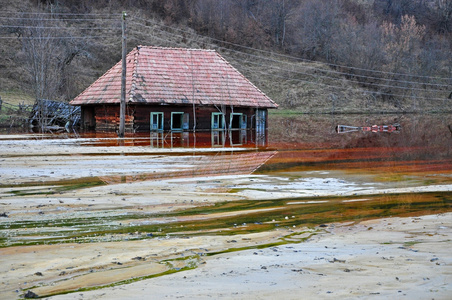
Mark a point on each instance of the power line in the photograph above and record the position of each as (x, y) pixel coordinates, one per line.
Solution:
(339, 73)
(308, 74)
(335, 78)
(296, 79)
(346, 88)
(55, 19)
(298, 58)
(53, 27)
(59, 14)
(55, 37)
(307, 67)
(347, 74)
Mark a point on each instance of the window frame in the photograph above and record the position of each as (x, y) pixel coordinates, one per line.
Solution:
(181, 114)
(242, 121)
(221, 119)
(160, 119)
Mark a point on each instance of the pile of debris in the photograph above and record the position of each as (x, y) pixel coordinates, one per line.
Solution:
(54, 115)
(374, 128)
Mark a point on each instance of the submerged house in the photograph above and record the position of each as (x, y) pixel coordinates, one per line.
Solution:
(174, 89)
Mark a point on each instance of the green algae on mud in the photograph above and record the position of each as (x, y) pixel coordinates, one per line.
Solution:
(287, 239)
(191, 262)
(225, 218)
(52, 187)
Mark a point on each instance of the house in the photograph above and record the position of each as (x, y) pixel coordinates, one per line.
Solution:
(174, 89)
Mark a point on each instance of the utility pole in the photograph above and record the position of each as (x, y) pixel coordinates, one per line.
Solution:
(122, 106)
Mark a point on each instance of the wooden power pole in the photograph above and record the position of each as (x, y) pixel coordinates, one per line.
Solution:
(122, 106)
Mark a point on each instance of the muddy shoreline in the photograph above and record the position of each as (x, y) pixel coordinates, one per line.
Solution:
(138, 221)
(379, 259)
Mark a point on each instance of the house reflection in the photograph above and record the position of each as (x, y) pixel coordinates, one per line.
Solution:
(213, 139)
(226, 152)
(207, 164)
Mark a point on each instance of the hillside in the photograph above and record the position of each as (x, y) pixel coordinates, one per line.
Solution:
(56, 49)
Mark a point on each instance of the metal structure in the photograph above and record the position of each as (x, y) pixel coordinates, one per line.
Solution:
(374, 128)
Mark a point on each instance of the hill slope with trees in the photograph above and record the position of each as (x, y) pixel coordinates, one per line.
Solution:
(308, 55)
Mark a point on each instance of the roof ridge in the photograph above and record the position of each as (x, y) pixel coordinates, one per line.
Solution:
(133, 85)
(175, 48)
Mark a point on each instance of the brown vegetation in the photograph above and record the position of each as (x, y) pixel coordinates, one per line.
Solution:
(309, 55)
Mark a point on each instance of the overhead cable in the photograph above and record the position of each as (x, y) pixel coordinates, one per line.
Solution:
(321, 70)
(298, 58)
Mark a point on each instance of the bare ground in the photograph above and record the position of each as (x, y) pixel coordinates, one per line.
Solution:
(384, 258)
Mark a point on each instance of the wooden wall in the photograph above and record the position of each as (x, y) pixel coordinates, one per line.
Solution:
(203, 116)
(106, 117)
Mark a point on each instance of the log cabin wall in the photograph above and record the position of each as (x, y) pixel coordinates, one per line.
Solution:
(107, 118)
(203, 114)
(138, 117)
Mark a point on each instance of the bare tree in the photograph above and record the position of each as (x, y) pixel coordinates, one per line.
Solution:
(40, 47)
(314, 28)
(442, 15)
(47, 50)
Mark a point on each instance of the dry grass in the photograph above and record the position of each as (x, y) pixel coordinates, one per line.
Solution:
(300, 86)
(16, 97)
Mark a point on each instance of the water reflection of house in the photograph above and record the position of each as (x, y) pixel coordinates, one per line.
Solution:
(211, 139)
(174, 89)
(205, 165)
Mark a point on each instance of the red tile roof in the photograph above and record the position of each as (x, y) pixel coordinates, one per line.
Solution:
(175, 76)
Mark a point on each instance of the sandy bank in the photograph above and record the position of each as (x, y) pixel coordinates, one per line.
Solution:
(393, 258)
(81, 216)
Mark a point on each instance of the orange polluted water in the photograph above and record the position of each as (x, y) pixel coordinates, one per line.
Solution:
(302, 172)
(195, 195)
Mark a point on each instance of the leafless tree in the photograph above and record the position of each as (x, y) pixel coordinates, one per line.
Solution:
(40, 47)
(47, 51)
(314, 28)
(442, 15)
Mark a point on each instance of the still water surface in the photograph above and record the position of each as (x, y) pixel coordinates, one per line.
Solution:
(301, 173)
(421, 144)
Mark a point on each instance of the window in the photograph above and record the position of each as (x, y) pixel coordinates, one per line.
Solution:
(156, 121)
(185, 121)
(261, 134)
(179, 121)
(261, 117)
(238, 121)
(217, 121)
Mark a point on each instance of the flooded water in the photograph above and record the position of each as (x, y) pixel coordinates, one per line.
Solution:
(423, 143)
(303, 172)
(173, 199)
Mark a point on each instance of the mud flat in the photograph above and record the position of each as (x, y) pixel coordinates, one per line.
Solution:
(390, 258)
(93, 222)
